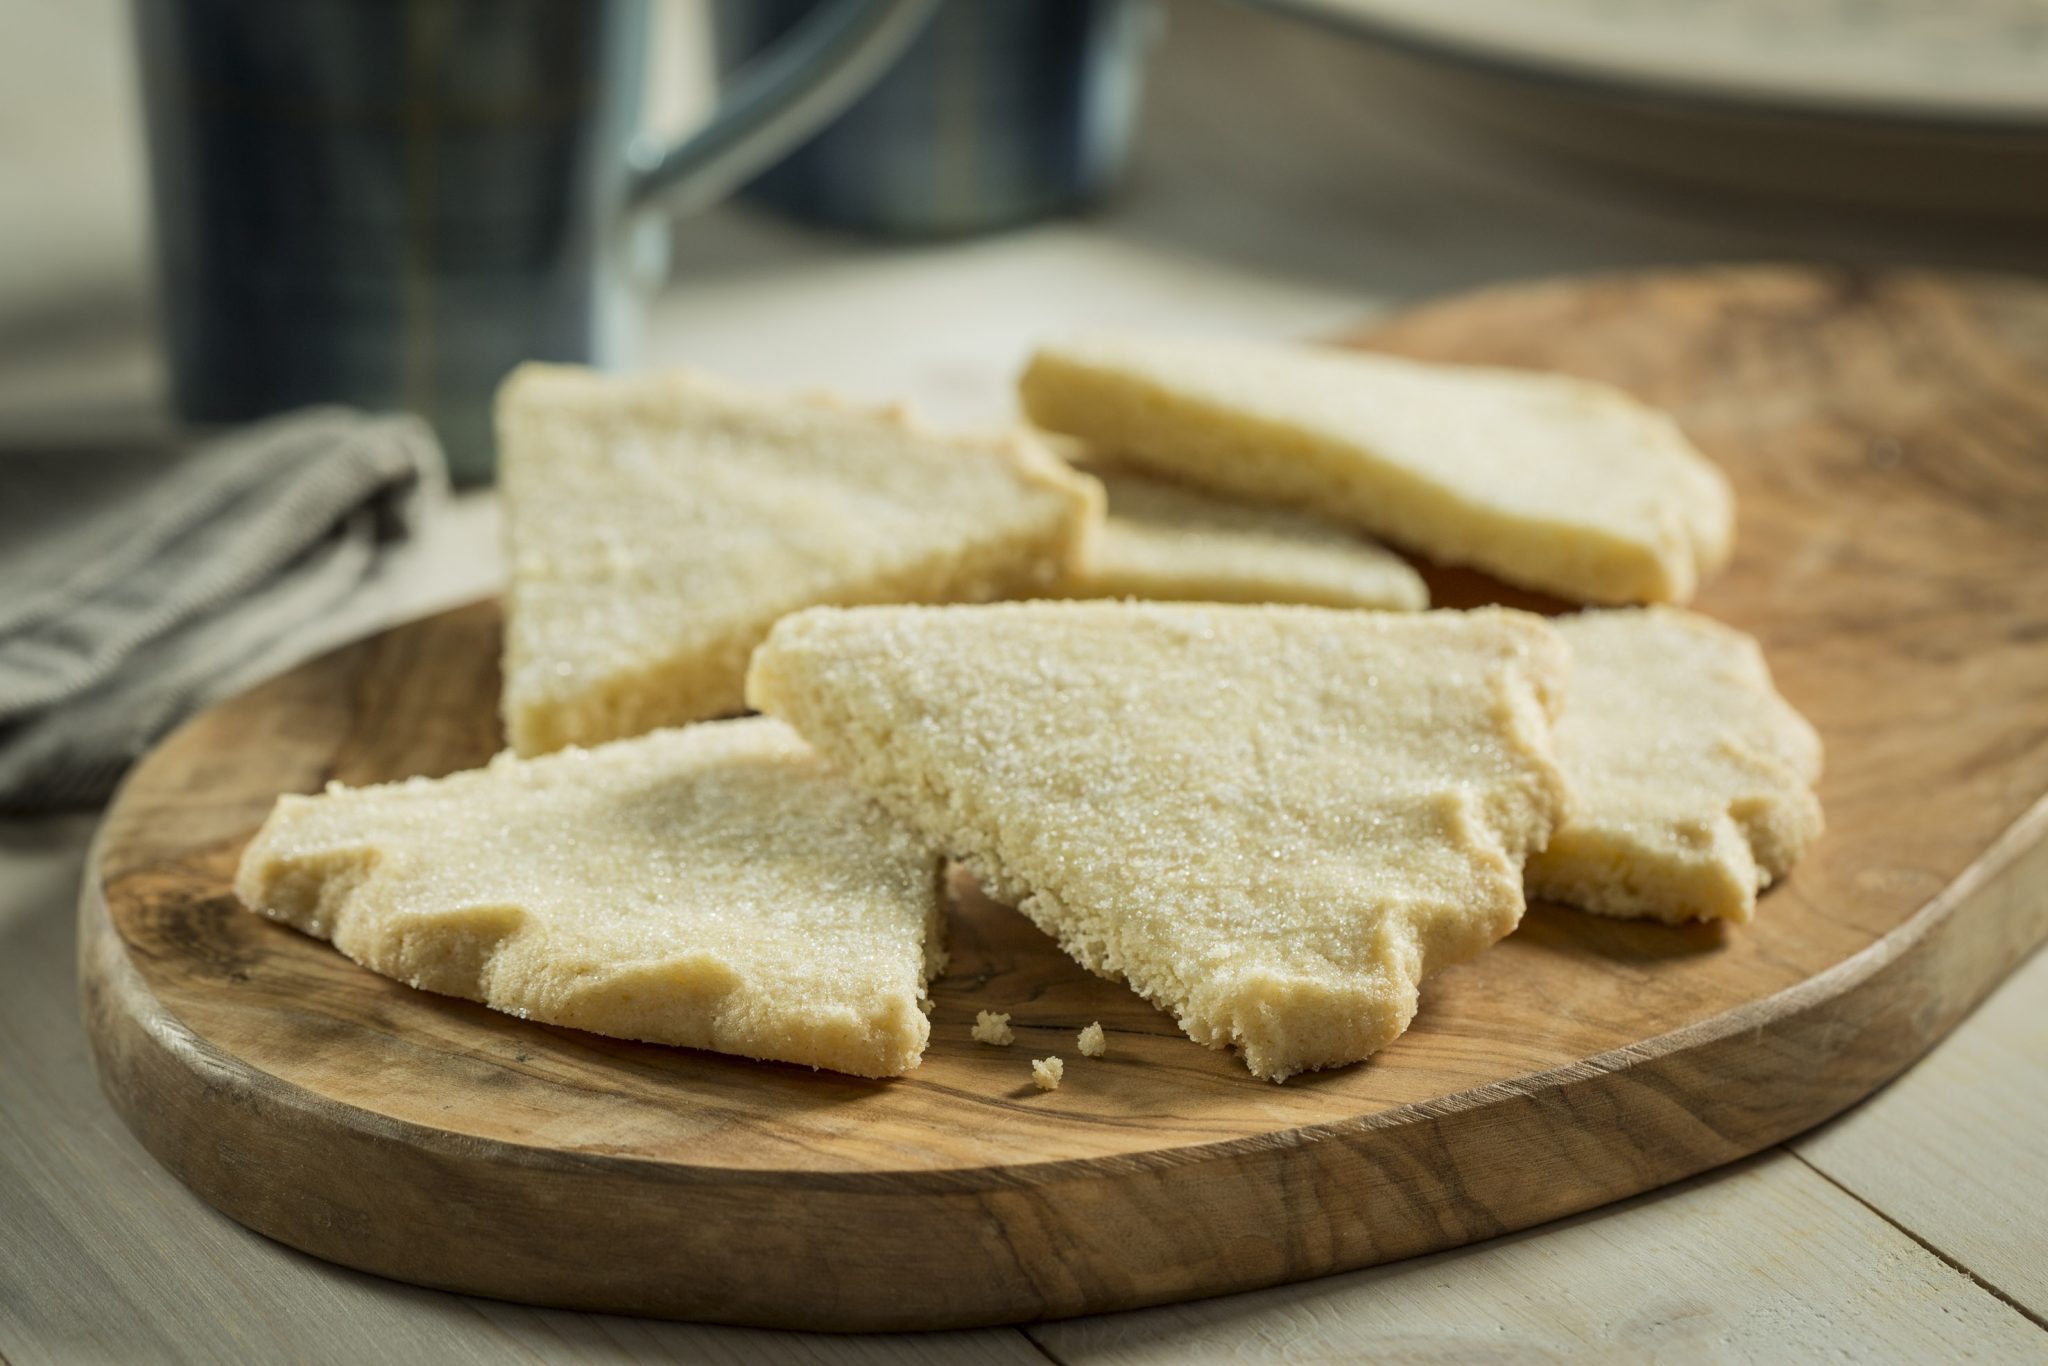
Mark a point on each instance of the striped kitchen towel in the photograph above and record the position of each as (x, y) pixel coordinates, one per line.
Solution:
(134, 583)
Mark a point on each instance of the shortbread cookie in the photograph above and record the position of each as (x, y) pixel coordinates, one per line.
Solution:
(1166, 541)
(1549, 482)
(1271, 821)
(713, 887)
(1692, 779)
(657, 526)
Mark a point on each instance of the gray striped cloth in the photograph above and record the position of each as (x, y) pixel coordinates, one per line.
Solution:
(133, 583)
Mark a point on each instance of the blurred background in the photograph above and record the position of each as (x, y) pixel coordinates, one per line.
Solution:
(1290, 167)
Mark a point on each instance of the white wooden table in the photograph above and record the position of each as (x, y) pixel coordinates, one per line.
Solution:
(1277, 192)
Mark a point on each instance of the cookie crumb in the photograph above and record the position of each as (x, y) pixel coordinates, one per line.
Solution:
(991, 1028)
(1091, 1042)
(1046, 1073)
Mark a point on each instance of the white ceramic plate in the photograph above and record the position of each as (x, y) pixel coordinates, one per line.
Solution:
(1969, 62)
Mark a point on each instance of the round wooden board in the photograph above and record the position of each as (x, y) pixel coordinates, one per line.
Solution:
(1889, 439)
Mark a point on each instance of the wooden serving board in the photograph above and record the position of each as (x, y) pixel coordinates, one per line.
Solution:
(1889, 439)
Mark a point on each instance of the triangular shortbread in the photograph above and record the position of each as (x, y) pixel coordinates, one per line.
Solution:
(1272, 821)
(657, 526)
(1546, 481)
(1692, 779)
(1168, 542)
(712, 887)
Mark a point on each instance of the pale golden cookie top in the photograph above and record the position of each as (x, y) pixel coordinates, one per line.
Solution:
(1551, 482)
(1272, 820)
(658, 524)
(1165, 541)
(711, 886)
(1691, 776)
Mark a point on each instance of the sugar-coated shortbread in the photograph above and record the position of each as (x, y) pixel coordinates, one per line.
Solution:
(1173, 543)
(1546, 481)
(1692, 779)
(657, 525)
(711, 886)
(1271, 821)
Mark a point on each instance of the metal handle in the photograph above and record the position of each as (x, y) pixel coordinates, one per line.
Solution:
(812, 73)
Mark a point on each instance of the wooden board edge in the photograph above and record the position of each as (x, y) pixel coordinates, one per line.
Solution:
(1052, 1240)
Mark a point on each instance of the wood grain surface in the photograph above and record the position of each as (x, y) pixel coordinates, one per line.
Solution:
(1888, 436)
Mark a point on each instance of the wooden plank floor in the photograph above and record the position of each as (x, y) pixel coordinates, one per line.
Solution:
(1763, 1262)
(1955, 1152)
